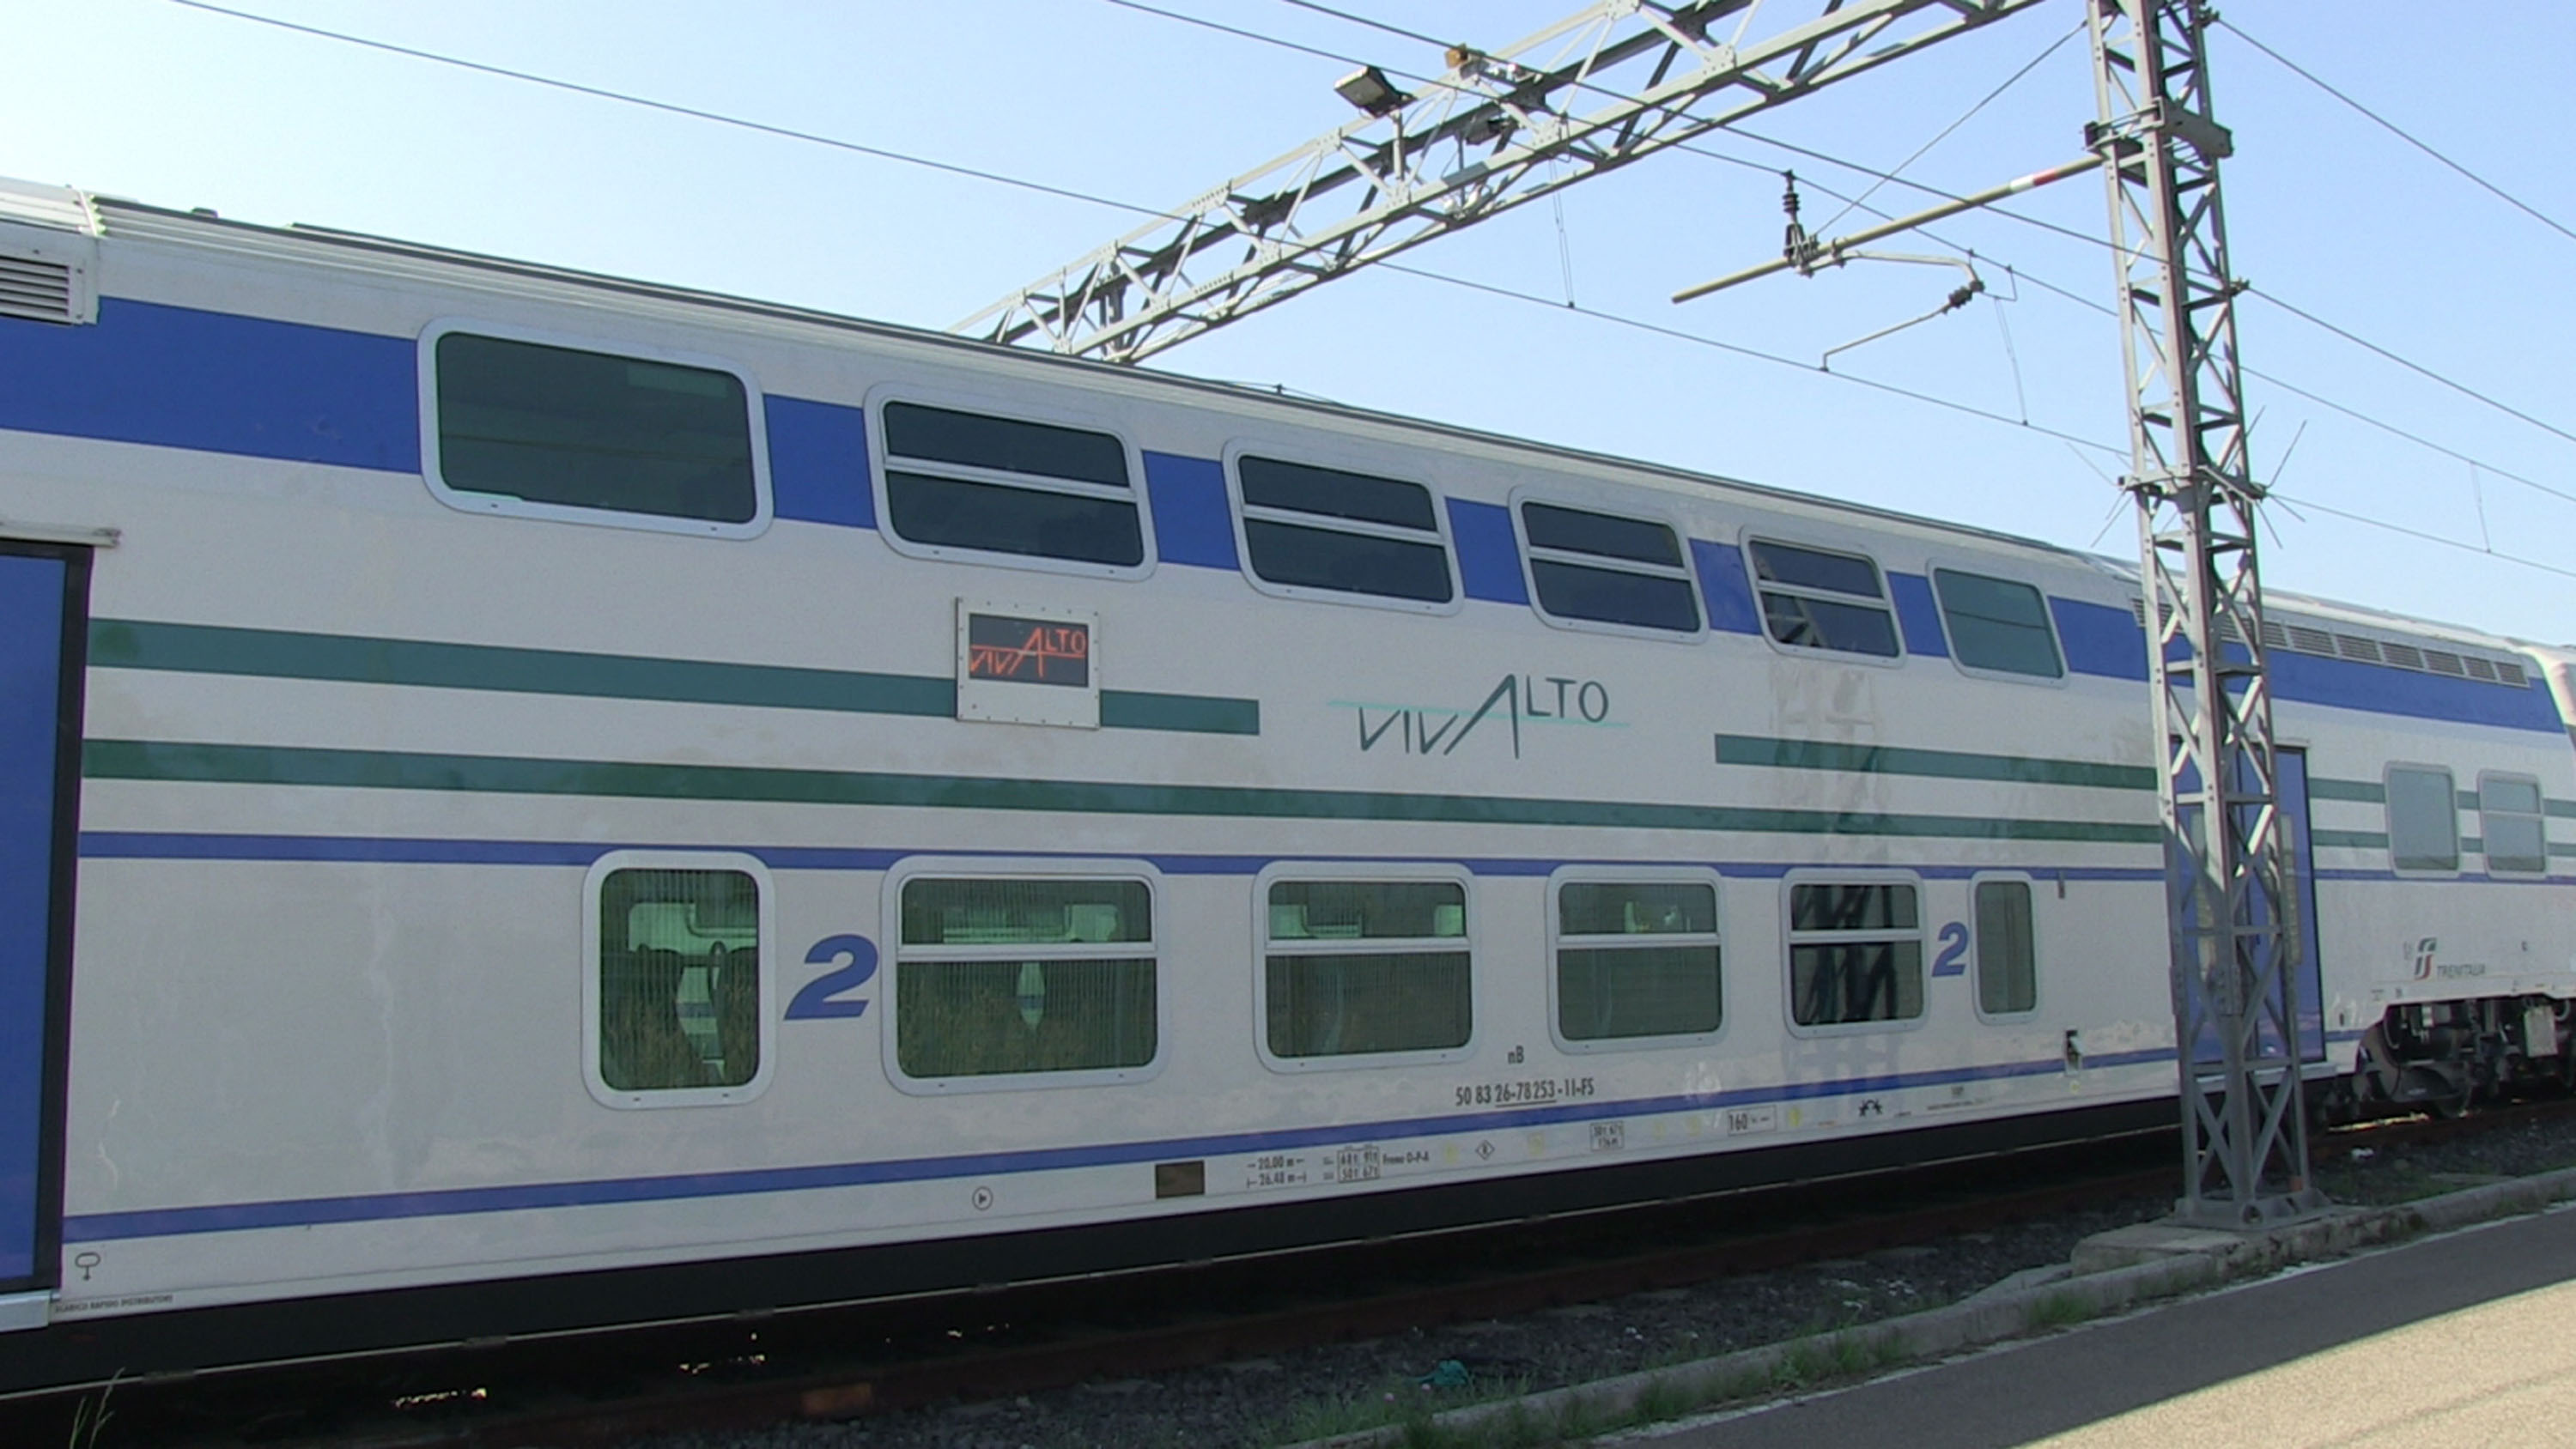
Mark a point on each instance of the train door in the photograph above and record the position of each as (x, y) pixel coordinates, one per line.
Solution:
(43, 623)
(2290, 769)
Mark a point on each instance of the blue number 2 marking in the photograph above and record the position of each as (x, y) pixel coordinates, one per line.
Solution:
(1953, 960)
(821, 997)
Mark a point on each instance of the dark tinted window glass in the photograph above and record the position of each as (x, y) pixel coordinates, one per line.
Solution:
(1649, 601)
(592, 430)
(1327, 910)
(679, 979)
(1335, 494)
(2423, 823)
(2512, 824)
(1834, 984)
(1578, 532)
(1350, 562)
(1034, 521)
(2007, 965)
(1997, 624)
(1637, 991)
(1825, 624)
(944, 912)
(937, 434)
(1347, 1004)
(1645, 909)
(1851, 908)
(1807, 568)
(998, 1018)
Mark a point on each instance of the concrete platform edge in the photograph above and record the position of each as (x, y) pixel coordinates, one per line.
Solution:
(2101, 1284)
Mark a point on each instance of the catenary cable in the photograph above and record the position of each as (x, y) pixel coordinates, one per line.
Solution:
(2303, 73)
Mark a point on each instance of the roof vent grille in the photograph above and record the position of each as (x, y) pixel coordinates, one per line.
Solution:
(38, 290)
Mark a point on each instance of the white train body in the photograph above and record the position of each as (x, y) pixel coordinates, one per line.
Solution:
(375, 770)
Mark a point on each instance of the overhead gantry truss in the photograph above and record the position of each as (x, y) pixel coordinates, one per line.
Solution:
(1614, 83)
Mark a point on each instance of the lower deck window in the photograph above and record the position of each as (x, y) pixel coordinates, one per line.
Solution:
(2423, 819)
(679, 979)
(998, 977)
(1354, 968)
(2512, 824)
(2007, 961)
(1636, 959)
(1855, 952)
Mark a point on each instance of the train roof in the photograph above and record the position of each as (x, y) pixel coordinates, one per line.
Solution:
(66, 209)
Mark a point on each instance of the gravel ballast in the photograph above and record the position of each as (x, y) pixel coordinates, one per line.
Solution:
(1322, 1391)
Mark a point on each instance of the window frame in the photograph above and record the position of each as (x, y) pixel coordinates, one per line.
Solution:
(2450, 791)
(1045, 413)
(1634, 875)
(1790, 938)
(651, 1099)
(1363, 872)
(1886, 599)
(468, 500)
(2486, 833)
(1530, 555)
(1977, 943)
(1007, 867)
(1344, 460)
(1932, 571)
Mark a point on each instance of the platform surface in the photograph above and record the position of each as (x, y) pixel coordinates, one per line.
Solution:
(2469, 1338)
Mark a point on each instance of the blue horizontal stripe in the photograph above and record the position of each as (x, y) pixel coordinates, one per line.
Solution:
(1729, 592)
(1489, 553)
(1193, 517)
(429, 850)
(177, 377)
(445, 1202)
(818, 462)
(1919, 615)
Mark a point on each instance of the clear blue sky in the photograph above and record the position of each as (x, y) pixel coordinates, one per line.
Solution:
(147, 99)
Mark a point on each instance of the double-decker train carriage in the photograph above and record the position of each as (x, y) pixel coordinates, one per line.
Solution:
(531, 801)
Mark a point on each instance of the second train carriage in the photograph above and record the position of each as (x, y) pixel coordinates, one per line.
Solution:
(542, 801)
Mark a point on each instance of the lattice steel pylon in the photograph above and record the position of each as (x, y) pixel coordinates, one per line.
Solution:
(2231, 923)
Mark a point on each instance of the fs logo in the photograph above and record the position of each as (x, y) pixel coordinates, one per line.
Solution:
(2422, 951)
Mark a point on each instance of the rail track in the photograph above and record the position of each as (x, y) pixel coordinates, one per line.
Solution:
(740, 1373)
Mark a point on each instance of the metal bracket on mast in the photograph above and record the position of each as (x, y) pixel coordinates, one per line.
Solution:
(2230, 912)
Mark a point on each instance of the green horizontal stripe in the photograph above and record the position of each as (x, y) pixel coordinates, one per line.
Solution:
(1942, 764)
(2563, 809)
(279, 654)
(2369, 792)
(2555, 849)
(2350, 839)
(2472, 845)
(283, 765)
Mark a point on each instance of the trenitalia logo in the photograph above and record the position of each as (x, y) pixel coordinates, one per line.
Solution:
(2423, 954)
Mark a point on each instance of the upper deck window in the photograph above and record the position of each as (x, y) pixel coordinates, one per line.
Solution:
(1306, 527)
(1998, 624)
(1813, 599)
(1608, 570)
(564, 432)
(1002, 485)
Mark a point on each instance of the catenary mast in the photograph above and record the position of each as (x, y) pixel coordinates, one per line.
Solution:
(2230, 913)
